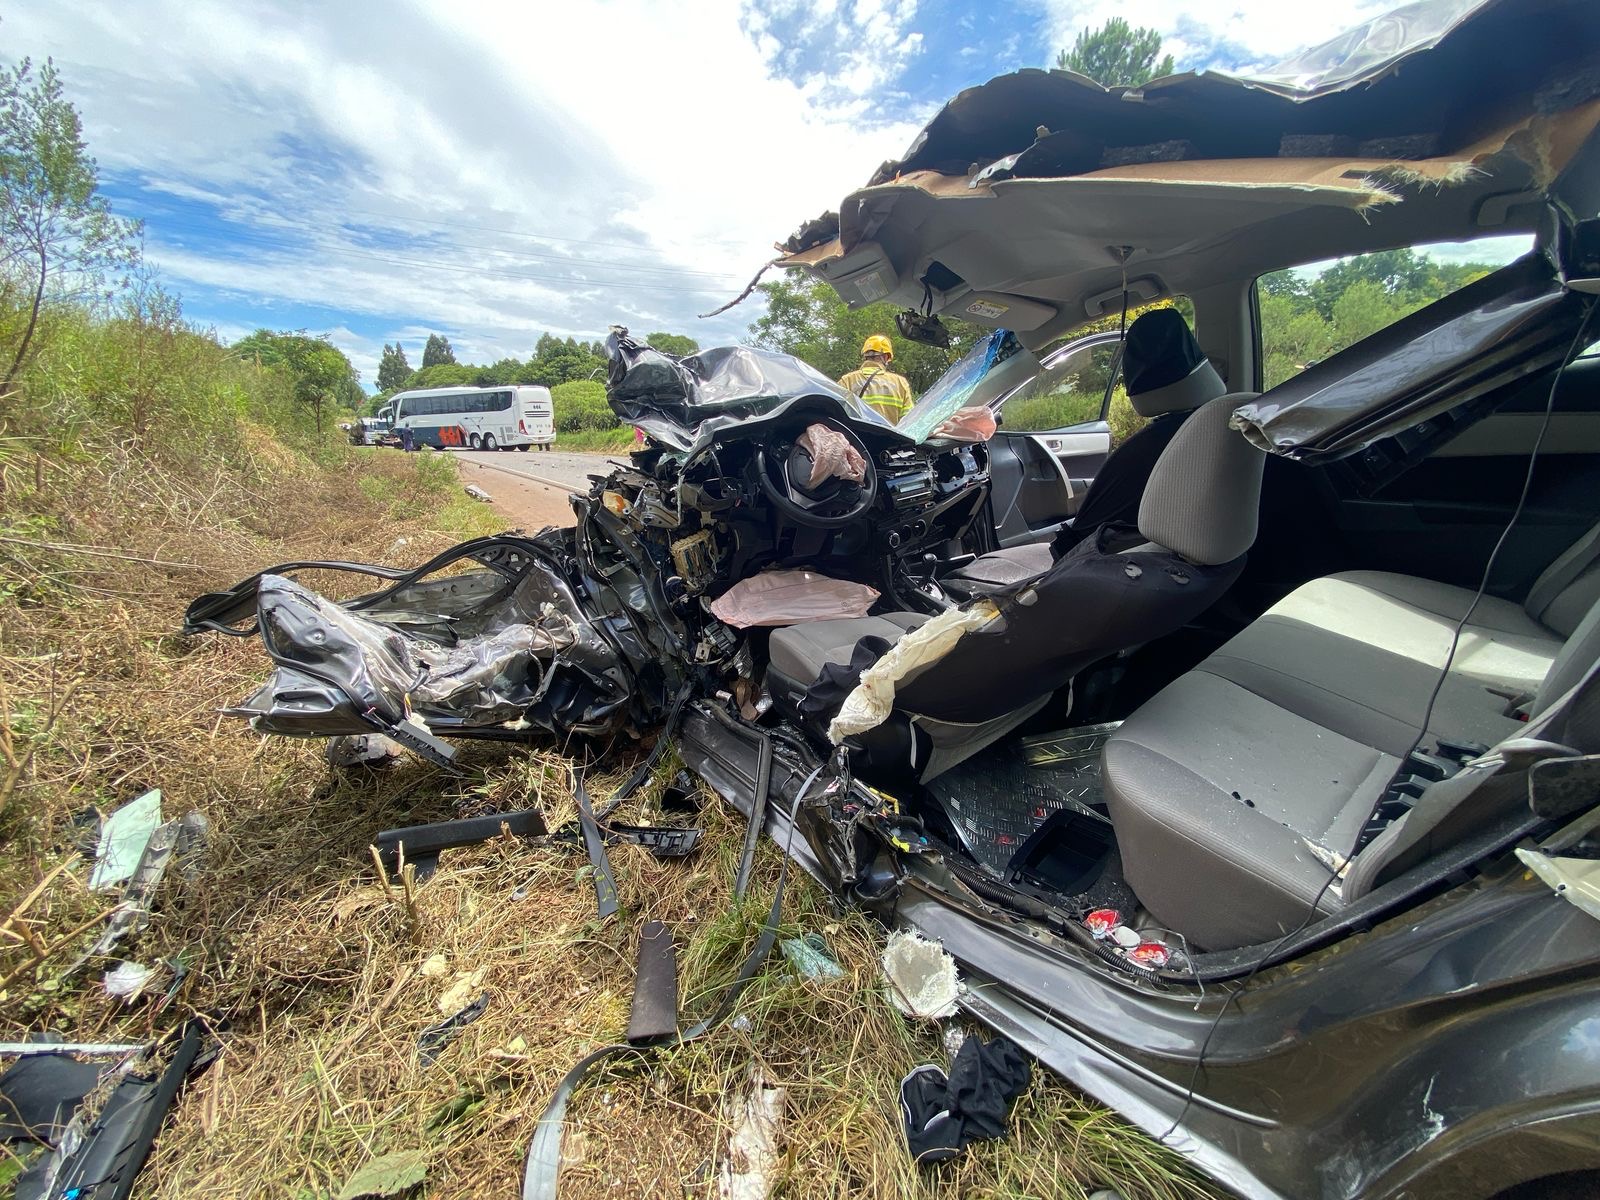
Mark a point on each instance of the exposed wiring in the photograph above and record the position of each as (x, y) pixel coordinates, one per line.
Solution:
(1427, 719)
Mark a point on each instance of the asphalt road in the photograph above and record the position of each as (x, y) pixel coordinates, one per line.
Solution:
(559, 468)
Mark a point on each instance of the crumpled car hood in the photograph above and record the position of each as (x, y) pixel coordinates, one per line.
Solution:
(1019, 202)
(686, 403)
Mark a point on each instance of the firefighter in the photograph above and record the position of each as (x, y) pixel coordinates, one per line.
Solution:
(887, 393)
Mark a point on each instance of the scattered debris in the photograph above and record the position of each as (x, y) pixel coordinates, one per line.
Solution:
(663, 841)
(39, 1094)
(454, 997)
(953, 1038)
(123, 838)
(423, 843)
(363, 750)
(753, 1149)
(434, 964)
(181, 840)
(543, 1165)
(432, 1041)
(654, 1016)
(478, 494)
(945, 1114)
(810, 957)
(127, 980)
(605, 884)
(104, 1160)
(681, 795)
(922, 977)
(387, 1175)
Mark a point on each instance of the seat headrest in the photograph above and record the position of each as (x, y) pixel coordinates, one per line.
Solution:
(1163, 366)
(1203, 500)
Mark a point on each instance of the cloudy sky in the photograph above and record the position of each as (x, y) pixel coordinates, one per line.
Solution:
(493, 171)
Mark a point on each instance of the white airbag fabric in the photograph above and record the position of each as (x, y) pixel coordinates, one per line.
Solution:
(873, 698)
(791, 598)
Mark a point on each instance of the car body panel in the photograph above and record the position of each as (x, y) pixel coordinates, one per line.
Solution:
(1385, 1064)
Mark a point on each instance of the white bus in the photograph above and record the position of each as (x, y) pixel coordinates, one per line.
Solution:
(475, 418)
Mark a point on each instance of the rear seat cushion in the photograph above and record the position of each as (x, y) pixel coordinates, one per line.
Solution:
(1221, 802)
(1304, 714)
(1361, 653)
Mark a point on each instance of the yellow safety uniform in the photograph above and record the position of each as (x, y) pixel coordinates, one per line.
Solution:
(887, 393)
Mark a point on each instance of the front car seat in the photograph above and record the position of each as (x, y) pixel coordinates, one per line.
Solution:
(1167, 378)
(1120, 588)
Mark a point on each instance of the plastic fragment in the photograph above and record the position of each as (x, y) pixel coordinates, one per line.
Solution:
(1102, 921)
(127, 979)
(810, 957)
(123, 839)
(432, 1041)
(752, 1160)
(478, 494)
(922, 976)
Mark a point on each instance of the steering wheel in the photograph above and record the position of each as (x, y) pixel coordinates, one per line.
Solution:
(783, 469)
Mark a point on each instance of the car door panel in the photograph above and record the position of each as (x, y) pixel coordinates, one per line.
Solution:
(1039, 472)
(1442, 517)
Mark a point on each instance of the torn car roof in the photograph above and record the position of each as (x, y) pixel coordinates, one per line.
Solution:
(1448, 119)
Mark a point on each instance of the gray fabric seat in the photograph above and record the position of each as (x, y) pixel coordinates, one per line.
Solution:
(1236, 789)
(1168, 378)
(1001, 568)
(1199, 516)
(801, 651)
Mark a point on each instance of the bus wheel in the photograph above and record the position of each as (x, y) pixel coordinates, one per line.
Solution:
(473, 442)
(488, 442)
(523, 447)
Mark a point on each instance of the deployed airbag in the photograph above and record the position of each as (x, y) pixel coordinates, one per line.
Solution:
(775, 598)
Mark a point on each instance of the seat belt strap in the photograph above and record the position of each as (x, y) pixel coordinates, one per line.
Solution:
(1573, 562)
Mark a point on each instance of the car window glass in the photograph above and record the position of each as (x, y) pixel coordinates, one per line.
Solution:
(1068, 391)
(1309, 313)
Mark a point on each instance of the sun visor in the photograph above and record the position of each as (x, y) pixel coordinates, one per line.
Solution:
(996, 310)
(863, 276)
(1437, 361)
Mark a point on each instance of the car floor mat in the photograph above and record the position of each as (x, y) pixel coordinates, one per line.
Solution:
(995, 801)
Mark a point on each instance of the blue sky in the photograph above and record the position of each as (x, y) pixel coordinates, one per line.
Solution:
(493, 171)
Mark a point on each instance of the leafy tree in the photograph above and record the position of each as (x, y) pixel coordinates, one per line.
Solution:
(444, 374)
(393, 369)
(562, 360)
(58, 236)
(806, 318)
(673, 343)
(1117, 53)
(320, 372)
(437, 351)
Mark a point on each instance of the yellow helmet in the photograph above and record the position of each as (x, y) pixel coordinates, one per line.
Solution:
(880, 344)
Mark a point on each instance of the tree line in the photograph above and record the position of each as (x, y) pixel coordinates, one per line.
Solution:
(554, 361)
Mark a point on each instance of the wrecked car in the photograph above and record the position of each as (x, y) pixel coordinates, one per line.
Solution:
(1267, 816)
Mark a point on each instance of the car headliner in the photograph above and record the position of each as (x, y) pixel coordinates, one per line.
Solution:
(1458, 134)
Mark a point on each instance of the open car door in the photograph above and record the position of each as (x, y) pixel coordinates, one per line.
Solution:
(1052, 439)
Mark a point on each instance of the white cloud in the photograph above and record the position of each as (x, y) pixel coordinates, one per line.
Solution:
(353, 142)
(1266, 30)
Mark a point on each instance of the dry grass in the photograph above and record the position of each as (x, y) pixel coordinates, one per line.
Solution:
(323, 976)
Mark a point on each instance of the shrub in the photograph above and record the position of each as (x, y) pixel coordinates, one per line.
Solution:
(581, 406)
